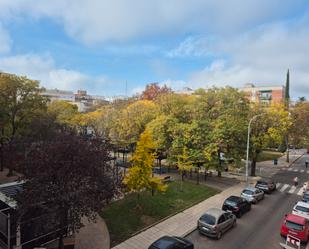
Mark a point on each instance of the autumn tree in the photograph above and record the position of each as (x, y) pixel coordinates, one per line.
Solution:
(20, 102)
(153, 90)
(299, 133)
(70, 175)
(133, 119)
(64, 113)
(140, 174)
(270, 127)
(224, 113)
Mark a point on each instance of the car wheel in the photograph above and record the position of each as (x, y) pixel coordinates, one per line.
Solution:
(262, 197)
(249, 208)
(239, 214)
(219, 235)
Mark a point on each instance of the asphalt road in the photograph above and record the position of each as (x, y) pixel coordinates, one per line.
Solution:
(260, 228)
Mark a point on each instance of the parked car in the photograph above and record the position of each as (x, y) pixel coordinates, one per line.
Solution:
(306, 197)
(253, 195)
(296, 226)
(237, 205)
(266, 185)
(302, 209)
(215, 222)
(171, 242)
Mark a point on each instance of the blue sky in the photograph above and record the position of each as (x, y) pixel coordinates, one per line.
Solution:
(99, 45)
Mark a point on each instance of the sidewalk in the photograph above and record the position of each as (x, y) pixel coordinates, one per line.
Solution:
(180, 224)
(93, 235)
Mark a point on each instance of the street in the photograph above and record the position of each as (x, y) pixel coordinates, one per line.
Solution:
(260, 228)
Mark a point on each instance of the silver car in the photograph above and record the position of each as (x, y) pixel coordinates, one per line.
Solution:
(252, 195)
(215, 222)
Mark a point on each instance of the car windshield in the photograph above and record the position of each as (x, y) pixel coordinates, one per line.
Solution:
(302, 209)
(208, 219)
(262, 183)
(294, 226)
(306, 196)
(247, 192)
(230, 203)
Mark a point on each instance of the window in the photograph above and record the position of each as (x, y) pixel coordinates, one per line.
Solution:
(248, 192)
(221, 219)
(293, 225)
(302, 209)
(208, 219)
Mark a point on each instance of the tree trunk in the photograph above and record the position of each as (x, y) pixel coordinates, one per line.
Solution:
(287, 150)
(1, 157)
(198, 177)
(220, 164)
(205, 175)
(253, 167)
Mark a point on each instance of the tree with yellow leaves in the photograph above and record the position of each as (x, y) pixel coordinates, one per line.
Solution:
(140, 174)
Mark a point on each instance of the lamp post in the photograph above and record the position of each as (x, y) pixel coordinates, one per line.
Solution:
(248, 144)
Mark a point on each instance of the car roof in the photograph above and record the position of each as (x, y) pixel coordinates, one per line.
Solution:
(265, 180)
(296, 218)
(216, 212)
(166, 241)
(301, 203)
(250, 188)
(235, 198)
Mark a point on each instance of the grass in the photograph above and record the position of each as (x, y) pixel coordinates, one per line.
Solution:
(269, 155)
(127, 216)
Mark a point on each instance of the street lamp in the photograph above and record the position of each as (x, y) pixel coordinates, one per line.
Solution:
(248, 144)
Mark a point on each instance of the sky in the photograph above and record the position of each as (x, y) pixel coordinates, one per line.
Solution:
(117, 47)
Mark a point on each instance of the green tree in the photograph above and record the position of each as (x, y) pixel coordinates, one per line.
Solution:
(269, 128)
(140, 174)
(20, 102)
(64, 113)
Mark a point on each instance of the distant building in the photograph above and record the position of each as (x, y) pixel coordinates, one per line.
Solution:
(81, 99)
(56, 94)
(265, 95)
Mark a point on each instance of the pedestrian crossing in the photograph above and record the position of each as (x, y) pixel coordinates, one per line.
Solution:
(291, 189)
(296, 170)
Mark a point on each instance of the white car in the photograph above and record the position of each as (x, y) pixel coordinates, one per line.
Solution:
(301, 209)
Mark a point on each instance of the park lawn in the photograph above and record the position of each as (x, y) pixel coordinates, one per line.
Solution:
(269, 155)
(125, 217)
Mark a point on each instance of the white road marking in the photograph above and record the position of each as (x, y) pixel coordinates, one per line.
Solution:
(295, 170)
(300, 192)
(307, 171)
(302, 171)
(292, 189)
(290, 169)
(284, 187)
(278, 185)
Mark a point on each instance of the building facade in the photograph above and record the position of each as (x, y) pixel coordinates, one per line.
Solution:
(265, 95)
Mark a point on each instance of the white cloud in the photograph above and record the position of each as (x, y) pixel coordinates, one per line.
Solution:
(43, 68)
(193, 46)
(5, 40)
(261, 56)
(96, 21)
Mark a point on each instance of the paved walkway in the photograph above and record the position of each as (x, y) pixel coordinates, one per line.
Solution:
(93, 235)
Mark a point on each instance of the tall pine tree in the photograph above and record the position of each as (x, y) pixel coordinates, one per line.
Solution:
(287, 104)
(287, 88)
